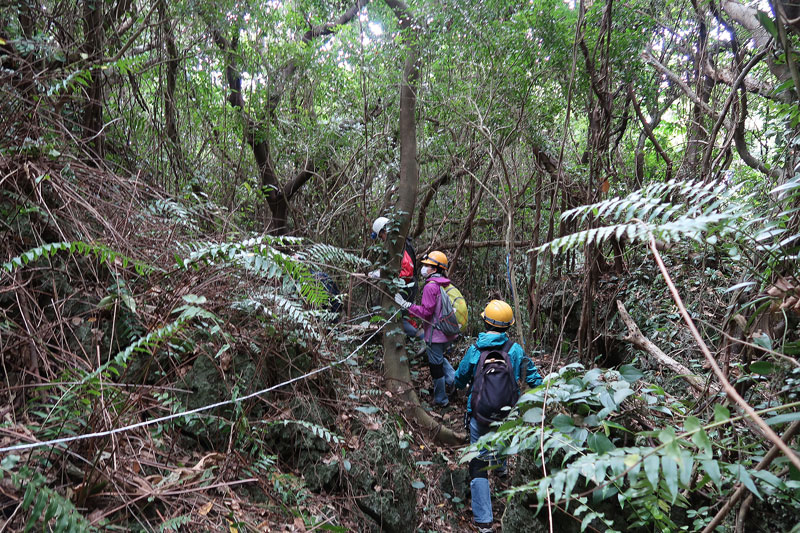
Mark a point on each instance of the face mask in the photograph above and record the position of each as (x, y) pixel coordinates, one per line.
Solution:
(426, 271)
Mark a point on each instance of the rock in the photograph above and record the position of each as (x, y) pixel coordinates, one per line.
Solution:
(380, 478)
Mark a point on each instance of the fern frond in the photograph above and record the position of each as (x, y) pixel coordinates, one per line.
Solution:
(213, 252)
(282, 308)
(708, 207)
(105, 254)
(174, 524)
(45, 505)
(317, 430)
(145, 344)
(175, 212)
(325, 254)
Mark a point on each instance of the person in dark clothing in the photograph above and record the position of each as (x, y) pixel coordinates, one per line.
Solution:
(498, 317)
(408, 273)
(334, 303)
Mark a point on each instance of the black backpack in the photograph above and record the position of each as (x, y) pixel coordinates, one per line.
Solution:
(495, 386)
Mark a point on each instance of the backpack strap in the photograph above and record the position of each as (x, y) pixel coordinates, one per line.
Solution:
(435, 316)
(504, 350)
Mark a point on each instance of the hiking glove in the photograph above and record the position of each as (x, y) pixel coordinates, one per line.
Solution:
(402, 301)
(375, 274)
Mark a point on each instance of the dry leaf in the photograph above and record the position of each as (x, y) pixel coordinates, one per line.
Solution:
(203, 511)
(225, 360)
(299, 524)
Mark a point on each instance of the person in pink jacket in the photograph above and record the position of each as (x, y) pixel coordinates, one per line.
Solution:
(433, 271)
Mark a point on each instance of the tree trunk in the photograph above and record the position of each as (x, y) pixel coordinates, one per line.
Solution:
(397, 371)
(93, 48)
(179, 167)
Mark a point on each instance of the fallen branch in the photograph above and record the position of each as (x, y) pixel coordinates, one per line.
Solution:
(637, 338)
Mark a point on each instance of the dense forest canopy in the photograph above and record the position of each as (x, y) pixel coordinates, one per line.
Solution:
(190, 340)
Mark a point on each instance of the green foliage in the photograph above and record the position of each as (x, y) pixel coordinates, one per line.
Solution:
(705, 211)
(105, 254)
(581, 447)
(45, 506)
(174, 524)
(316, 430)
(146, 344)
(298, 287)
(176, 212)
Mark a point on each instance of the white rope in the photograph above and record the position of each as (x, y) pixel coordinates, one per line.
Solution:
(193, 411)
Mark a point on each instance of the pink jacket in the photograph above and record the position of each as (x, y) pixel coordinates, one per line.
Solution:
(429, 308)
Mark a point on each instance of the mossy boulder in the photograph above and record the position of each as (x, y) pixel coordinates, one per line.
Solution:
(380, 477)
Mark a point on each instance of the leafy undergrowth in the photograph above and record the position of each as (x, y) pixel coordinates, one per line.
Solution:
(141, 315)
(219, 392)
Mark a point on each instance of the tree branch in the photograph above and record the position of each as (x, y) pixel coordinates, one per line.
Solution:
(649, 132)
(726, 385)
(637, 338)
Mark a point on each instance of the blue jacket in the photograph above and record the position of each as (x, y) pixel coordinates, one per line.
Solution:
(469, 364)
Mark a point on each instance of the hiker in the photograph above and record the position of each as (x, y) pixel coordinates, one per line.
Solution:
(330, 286)
(408, 273)
(334, 301)
(493, 351)
(437, 342)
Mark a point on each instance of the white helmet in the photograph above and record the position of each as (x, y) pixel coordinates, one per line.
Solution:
(378, 226)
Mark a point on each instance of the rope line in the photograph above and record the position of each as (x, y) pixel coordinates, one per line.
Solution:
(64, 440)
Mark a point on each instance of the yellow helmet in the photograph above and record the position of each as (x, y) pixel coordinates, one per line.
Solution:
(498, 313)
(436, 259)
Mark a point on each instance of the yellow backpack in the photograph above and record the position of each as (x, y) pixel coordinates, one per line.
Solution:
(459, 305)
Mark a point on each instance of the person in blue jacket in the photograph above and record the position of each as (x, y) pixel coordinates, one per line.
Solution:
(498, 317)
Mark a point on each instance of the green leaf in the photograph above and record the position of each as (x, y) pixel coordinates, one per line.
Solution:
(701, 440)
(782, 419)
(418, 485)
(128, 300)
(763, 340)
(666, 435)
(712, 469)
(533, 415)
(721, 413)
(9, 462)
(652, 470)
(692, 423)
(762, 367)
(747, 481)
(52, 509)
(768, 24)
(669, 467)
(30, 492)
(563, 423)
(599, 443)
(630, 373)
(770, 478)
(194, 299)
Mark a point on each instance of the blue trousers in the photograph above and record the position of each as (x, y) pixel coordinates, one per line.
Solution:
(479, 476)
(442, 371)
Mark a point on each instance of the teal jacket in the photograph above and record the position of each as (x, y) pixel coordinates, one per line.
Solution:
(466, 369)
